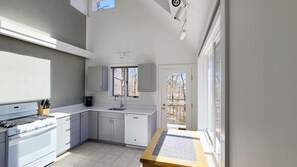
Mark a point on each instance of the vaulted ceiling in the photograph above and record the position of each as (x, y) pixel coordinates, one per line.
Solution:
(198, 17)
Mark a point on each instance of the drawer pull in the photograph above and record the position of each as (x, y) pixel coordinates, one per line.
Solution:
(67, 143)
(67, 130)
(135, 117)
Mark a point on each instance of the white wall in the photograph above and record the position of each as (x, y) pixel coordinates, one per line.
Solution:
(129, 27)
(263, 93)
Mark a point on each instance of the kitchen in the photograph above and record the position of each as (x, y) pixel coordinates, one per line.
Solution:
(223, 68)
(90, 93)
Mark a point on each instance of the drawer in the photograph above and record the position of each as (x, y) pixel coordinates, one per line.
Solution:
(67, 142)
(2, 137)
(67, 119)
(62, 147)
(111, 115)
(71, 126)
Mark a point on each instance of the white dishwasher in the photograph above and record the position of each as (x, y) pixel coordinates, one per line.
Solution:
(136, 129)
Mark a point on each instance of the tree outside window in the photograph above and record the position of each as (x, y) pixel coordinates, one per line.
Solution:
(125, 81)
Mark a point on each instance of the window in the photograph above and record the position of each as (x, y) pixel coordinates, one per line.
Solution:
(103, 4)
(125, 81)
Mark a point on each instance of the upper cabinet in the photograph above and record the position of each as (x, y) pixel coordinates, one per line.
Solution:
(97, 78)
(147, 77)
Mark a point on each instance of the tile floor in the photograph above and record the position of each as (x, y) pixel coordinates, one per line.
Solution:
(94, 154)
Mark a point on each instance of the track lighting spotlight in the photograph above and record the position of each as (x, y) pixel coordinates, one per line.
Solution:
(179, 14)
(182, 14)
(182, 34)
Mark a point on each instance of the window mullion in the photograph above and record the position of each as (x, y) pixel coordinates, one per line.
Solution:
(126, 82)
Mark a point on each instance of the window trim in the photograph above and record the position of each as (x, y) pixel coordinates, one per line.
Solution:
(111, 91)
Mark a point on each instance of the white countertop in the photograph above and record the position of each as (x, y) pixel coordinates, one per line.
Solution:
(76, 109)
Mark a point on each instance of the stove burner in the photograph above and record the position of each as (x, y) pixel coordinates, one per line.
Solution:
(24, 120)
(7, 124)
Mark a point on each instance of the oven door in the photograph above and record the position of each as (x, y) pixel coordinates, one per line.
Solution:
(27, 148)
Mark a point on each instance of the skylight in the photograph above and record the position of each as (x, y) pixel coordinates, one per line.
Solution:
(99, 5)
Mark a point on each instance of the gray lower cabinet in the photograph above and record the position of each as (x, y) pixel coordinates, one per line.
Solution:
(93, 119)
(111, 127)
(84, 126)
(2, 149)
(105, 129)
(68, 132)
(118, 130)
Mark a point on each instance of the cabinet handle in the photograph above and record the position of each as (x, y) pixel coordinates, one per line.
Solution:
(67, 130)
(135, 117)
(67, 143)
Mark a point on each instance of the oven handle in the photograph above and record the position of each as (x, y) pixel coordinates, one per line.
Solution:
(32, 133)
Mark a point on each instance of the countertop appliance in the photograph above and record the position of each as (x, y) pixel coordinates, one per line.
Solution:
(31, 137)
(89, 101)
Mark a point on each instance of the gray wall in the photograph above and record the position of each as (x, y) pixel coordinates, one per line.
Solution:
(67, 71)
(263, 79)
(61, 21)
(56, 17)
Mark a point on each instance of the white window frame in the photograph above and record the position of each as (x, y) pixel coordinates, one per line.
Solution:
(95, 9)
(110, 91)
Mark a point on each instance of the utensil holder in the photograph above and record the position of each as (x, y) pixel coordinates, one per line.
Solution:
(43, 111)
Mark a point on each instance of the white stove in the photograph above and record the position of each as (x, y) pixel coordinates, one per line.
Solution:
(26, 124)
(31, 137)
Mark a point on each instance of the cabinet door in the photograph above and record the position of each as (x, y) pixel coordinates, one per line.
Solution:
(97, 78)
(84, 126)
(146, 77)
(2, 154)
(118, 130)
(136, 129)
(105, 129)
(93, 124)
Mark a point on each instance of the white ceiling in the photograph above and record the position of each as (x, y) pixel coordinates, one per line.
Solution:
(198, 17)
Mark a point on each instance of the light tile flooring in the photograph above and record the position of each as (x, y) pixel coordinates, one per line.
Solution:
(94, 154)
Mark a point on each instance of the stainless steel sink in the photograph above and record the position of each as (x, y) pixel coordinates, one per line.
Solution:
(117, 109)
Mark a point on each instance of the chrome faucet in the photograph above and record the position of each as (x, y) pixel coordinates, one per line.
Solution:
(115, 98)
(122, 105)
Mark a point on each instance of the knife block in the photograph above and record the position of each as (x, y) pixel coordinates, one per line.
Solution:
(42, 111)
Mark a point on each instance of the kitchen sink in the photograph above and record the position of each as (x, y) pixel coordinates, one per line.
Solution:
(117, 109)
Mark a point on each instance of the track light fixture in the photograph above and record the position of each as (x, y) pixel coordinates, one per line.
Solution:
(182, 11)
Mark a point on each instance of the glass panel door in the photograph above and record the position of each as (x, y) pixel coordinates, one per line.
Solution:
(176, 99)
(210, 96)
(218, 97)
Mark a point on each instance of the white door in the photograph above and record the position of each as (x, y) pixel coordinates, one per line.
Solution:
(176, 97)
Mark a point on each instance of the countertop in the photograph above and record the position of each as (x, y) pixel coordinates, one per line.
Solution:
(2, 130)
(76, 109)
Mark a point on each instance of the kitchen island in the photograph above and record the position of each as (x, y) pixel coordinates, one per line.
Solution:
(174, 148)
